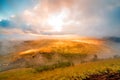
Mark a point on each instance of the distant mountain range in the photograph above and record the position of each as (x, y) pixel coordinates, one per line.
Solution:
(113, 39)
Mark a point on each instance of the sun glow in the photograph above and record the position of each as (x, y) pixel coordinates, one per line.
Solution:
(56, 21)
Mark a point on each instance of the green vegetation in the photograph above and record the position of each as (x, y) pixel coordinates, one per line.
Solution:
(54, 66)
(77, 72)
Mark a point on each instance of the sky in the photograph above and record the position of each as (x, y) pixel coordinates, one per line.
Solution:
(28, 18)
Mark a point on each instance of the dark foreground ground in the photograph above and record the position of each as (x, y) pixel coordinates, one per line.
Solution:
(105, 76)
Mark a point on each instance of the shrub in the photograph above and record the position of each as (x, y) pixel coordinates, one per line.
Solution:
(54, 66)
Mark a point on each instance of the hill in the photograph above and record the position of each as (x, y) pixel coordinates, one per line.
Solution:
(51, 51)
(82, 71)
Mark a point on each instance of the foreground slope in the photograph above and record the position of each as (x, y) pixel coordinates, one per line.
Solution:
(78, 72)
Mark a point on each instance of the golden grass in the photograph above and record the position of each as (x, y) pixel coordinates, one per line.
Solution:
(70, 73)
(66, 47)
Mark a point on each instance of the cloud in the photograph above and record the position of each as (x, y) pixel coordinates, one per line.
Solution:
(81, 17)
(11, 31)
(93, 17)
(114, 16)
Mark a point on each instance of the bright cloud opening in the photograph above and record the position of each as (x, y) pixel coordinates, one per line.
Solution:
(56, 21)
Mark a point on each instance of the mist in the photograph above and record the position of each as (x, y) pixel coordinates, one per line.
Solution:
(8, 47)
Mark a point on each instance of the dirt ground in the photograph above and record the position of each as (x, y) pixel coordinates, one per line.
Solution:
(105, 76)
